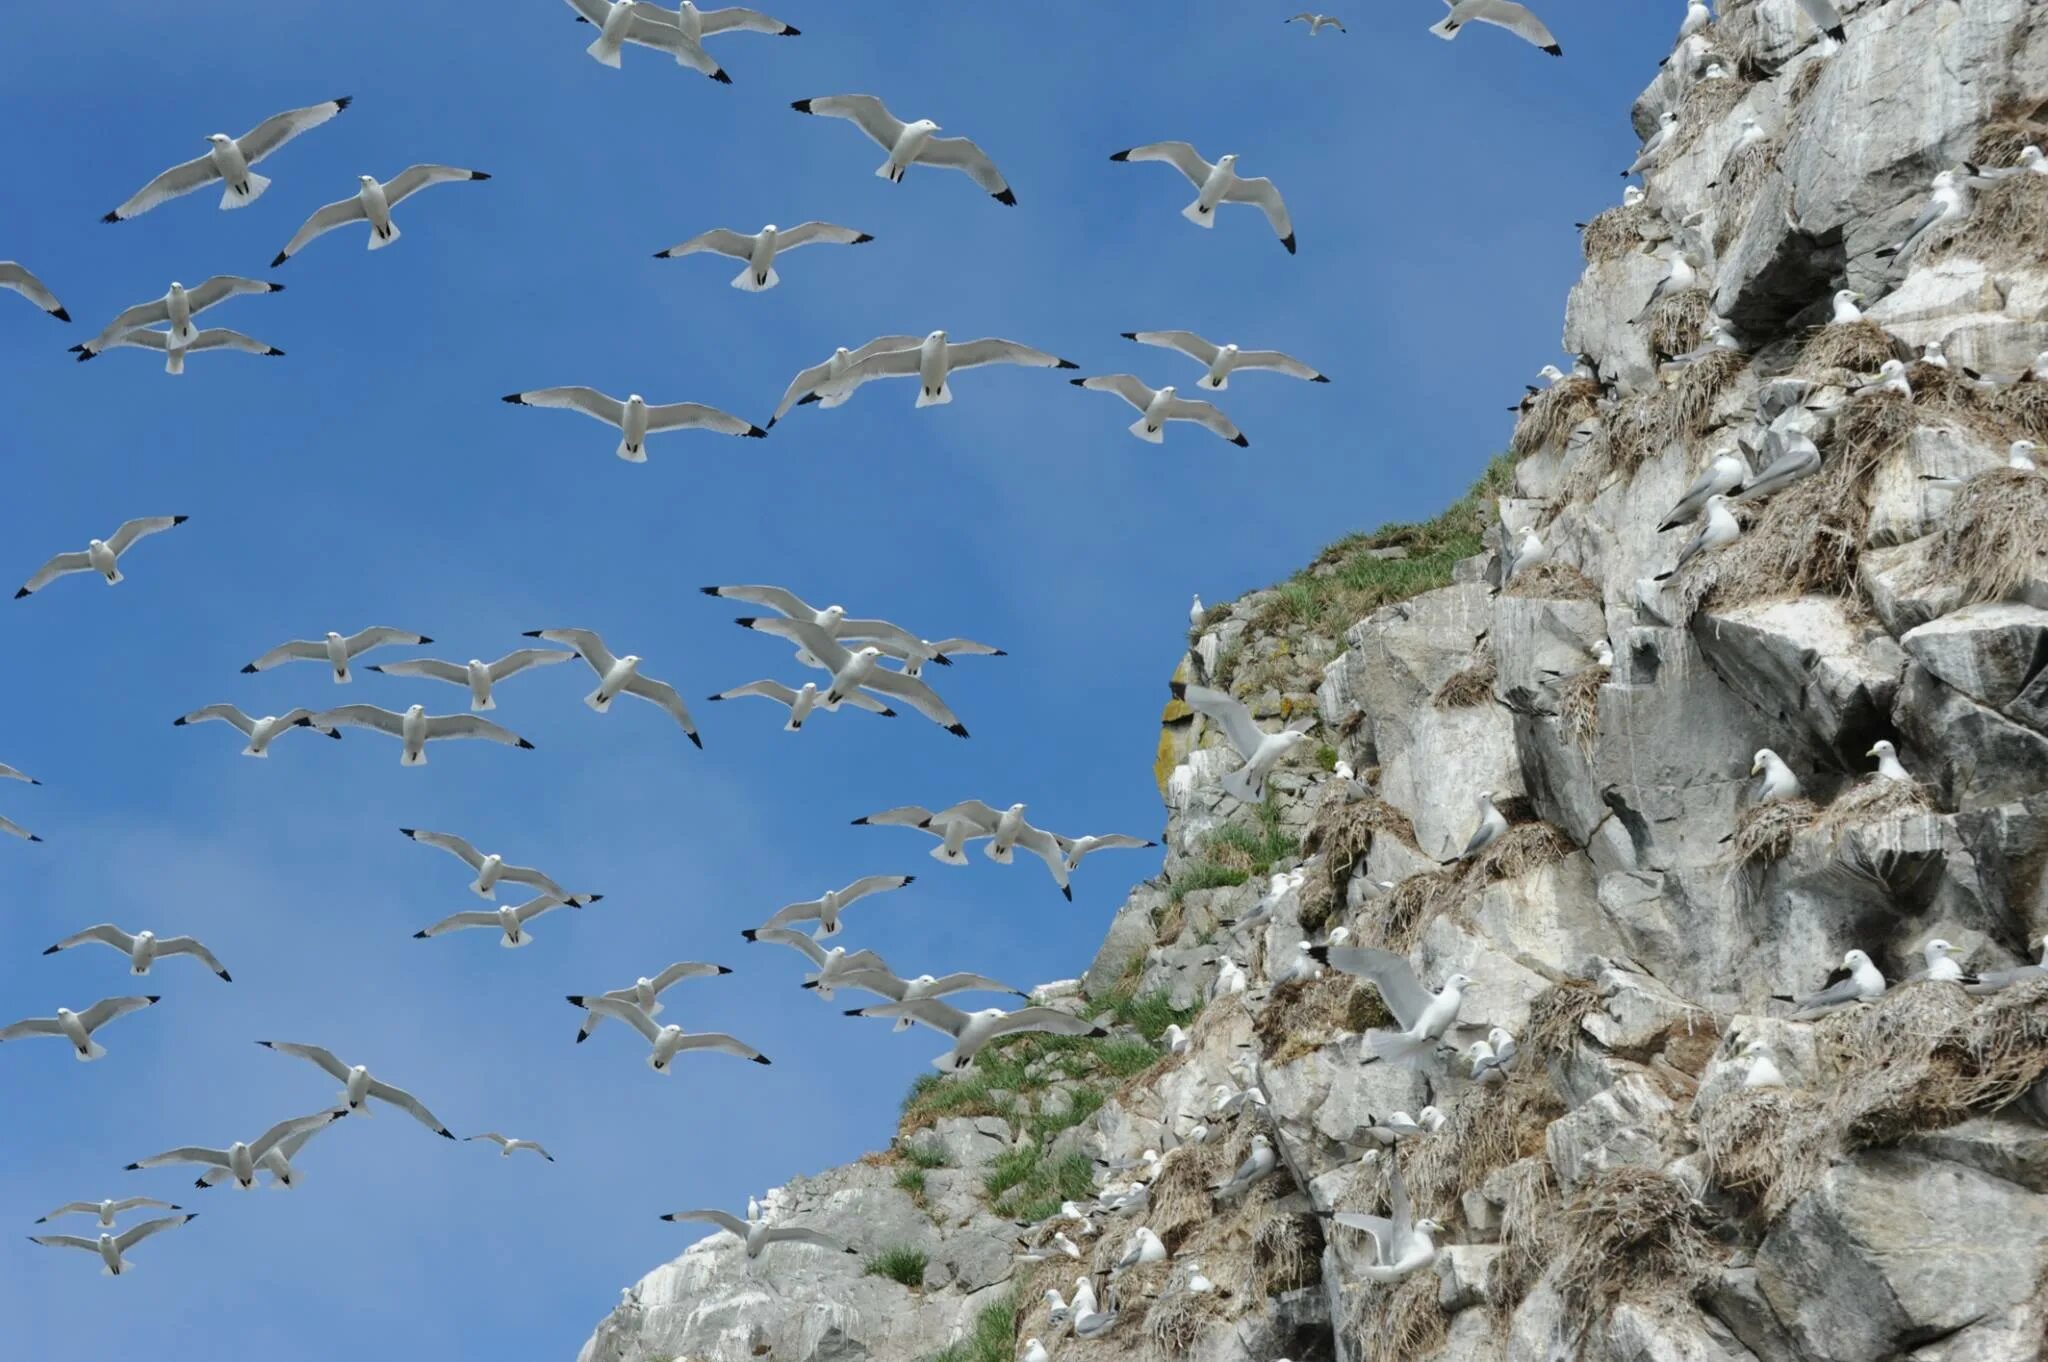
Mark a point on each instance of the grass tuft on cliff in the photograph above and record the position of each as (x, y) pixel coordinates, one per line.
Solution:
(904, 1266)
(992, 1339)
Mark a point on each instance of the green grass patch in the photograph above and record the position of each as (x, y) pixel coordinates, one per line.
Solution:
(905, 1266)
(1236, 847)
(1148, 1014)
(1025, 1185)
(911, 1180)
(925, 1156)
(1327, 757)
(992, 1339)
(1205, 875)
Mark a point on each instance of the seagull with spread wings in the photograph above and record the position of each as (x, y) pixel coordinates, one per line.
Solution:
(359, 1085)
(174, 311)
(618, 676)
(909, 144)
(645, 993)
(1161, 405)
(262, 732)
(858, 669)
(18, 278)
(336, 650)
(112, 1248)
(759, 249)
(372, 203)
(415, 728)
(228, 159)
(101, 556)
(1425, 1019)
(680, 33)
(825, 909)
(1403, 1243)
(972, 1030)
(492, 869)
(142, 948)
(239, 1161)
(1224, 360)
(1261, 751)
(936, 358)
(836, 965)
(78, 1027)
(1216, 184)
(108, 1210)
(758, 1234)
(666, 1041)
(507, 918)
(633, 418)
(478, 675)
(824, 383)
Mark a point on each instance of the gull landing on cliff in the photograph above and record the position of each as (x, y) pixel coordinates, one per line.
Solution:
(1261, 751)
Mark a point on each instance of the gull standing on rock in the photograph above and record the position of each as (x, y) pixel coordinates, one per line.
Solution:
(1952, 201)
(1653, 150)
(972, 1030)
(359, 1085)
(1197, 613)
(491, 869)
(1492, 823)
(825, 909)
(101, 556)
(1516, 19)
(78, 1027)
(16, 277)
(1217, 184)
(1261, 751)
(1793, 457)
(1160, 406)
(511, 920)
(508, 1147)
(619, 676)
(1224, 360)
(1426, 1018)
(1857, 981)
(478, 675)
(228, 159)
(911, 143)
(335, 650)
(112, 1247)
(645, 993)
(760, 248)
(262, 732)
(415, 728)
(858, 670)
(1719, 529)
(175, 309)
(800, 702)
(823, 383)
(1776, 778)
(372, 203)
(758, 1234)
(633, 418)
(239, 1161)
(1257, 1164)
(1723, 476)
(936, 358)
(143, 948)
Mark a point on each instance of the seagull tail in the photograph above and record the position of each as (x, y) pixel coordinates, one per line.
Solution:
(1146, 433)
(937, 399)
(174, 361)
(599, 701)
(379, 240)
(1398, 1048)
(605, 53)
(1446, 29)
(241, 196)
(1000, 855)
(93, 1050)
(890, 171)
(949, 855)
(252, 750)
(1200, 216)
(747, 281)
(1238, 786)
(412, 758)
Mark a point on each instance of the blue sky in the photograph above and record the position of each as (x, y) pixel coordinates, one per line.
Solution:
(372, 476)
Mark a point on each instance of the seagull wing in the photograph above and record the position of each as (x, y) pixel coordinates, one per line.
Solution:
(724, 1044)
(1046, 847)
(796, 1234)
(1180, 155)
(130, 1238)
(778, 599)
(298, 650)
(448, 842)
(461, 921)
(685, 969)
(1278, 363)
(800, 387)
(1261, 192)
(413, 179)
(105, 932)
(111, 1009)
(589, 401)
(719, 241)
(872, 884)
(28, 286)
(725, 1220)
(975, 353)
(225, 713)
(337, 214)
(49, 572)
(178, 180)
(907, 816)
(1187, 342)
(696, 416)
(972, 812)
(278, 129)
(743, 21)
(1205, 414)
(820, 234)
(1049, 1019)
(512, 663)
(663, 694)
(1238, 726)
(1404, 996)
(880, 982)
(378, 635)
(470, 726)
(917, 695)
(129, 319)
(633, 1016)
(185, 945)
(66, 1240)
(587, 644)
(959, 153)
(222, 287)
(961, 982)
(284, 1130)
(938, 1015)
(33, 1026)
(772, 690)
(1378, 1226)
(881, 364)
(121, 540)
(433, 669)
(406, 1102)
(324, 1058)
(534, 907)
(1517, 19)
(190, 1153)
(864, 111)
(800, 940)
(527, 875)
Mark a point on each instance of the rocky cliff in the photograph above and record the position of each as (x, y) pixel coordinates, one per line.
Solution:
(1633, 1186)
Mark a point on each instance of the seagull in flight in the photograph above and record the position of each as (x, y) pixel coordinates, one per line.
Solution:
(894, 640)
(758, 1234)
(1261, 751)
(1516, 19)
(858, 670)
(973, 821)
(78, 1027)
(107, 1210)
(1161, 405)
(492, 870)
(618, 676)
(101, 556)
(478, 675)
(825, 910)
(645, 993)
(113, 1248)
(415, 728)
(239, 1161)
(511, 920)
(142, 948)
(175, 355)
(17, 277)
(175, 311)
(262, 732)
(936, 358)
(909, 144)
(679, 33)
(633, 418)
(1078, 849)
(228, 159)
(1224, 360)
(823, 383)
(759, 249)
(359, 1085)
(1425, 1018)
(1318, 22)
(335, 650)
(1217, 184)
(800, 702)
(667, 1041)
(508, 1147)
(972, 1030)
(372, 203)
(836, 966)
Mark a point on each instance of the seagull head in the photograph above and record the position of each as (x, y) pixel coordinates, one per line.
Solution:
(1756, 1047)
(1945, 180)
(1881, 749)
(1261, 1142)
(367, 179)
(1228, 160)
(832, 614)
(924, 125)
(1167, 391)
(1486, 796)
(868, 654)
(939, 336)
(631, 659)
(1631, 196)
(2021, 455)
(332, 637)
(219, 139)
(1499, 1037)
(1428, 1226)
(415, 711)
(1938, 949)
(921, 980)
(65, 1014)
(1550, 372)
(1847, 295)
(1669, 118)
(768, 230)
(1855, 960)
(635, 400)
(1458, 981)
(1764, 757)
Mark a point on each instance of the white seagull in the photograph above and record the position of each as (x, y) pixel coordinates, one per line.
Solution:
(509, 919)
(1951, 201)
(1777, 780)
(1515, 18)
(228, 159)
(1078, 849)
(972, 821)
(1491, 825)
(359, 1085)
(508, 1147)
(78, 1027)
(1940, 963)
(335, 650)
(478, 675)
(492, 870)
(1261, 751)
(415, 728)
(175, 310)
(1160, 406)
(1856, 981)
(858, 669)
(1697, 17)
(1763, 1070)
(212, 338)
(667, 1041)
(1224, 360)
(1997, 980)
(107, 1210)
(101, 556)
(143, 948)
(1888, 765)
(1793, 457)
(825, 909)
(1667, 128)
(1318, 22)
(758, 1234)
(112, 1248)
(1403, 1242)
(893, 639)
(633, 418)
(1144, 1247)
(1216, 184)
(1719, 529)
(759, 249)
(972, 1030)
(681, 34)
(618, 676)
(16, 277)
(800, 702)
(911, 143)
(1846, 311)
(645, 993)
(1425, 1018)
(372, 203)
(262, 732)
(936, 358)
(1259, 1162)
(883, 983)
(1723, 475)
(822, 383)
(239, 1161)
(836, 965)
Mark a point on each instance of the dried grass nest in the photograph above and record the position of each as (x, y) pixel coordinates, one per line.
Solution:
(1410, 906)
(1992, 538)
(1633, 1233)
(1554, 414)
(1617, 231)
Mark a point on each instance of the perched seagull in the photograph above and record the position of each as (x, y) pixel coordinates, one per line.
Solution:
(1492, 823)
(13, 276)
(1777, 781)
(858, 670)
(825, 910)
(508, 1147)
(1078, 849)
(1532, 552)
(228, 159)
(143, 948)
(1160, 406)
(239, 1161)
(822, 383)
(78, 1027)
(1941, 966)
(1682, 277)
(1793, 457)
(262, 732)
(1096, 1323)
(335, 650)
(1401, 1126)
(1763, 1069)
(1084, 1297)
(1145, 1247)
(1997, 980)
(1697, 17)
(359, 1085)
(645, 993)
(1720, 528)
(800, 703)
(212, 338)
(416, 728)
(1932, 354)
(680, 34)
(1826, 18)
(508, 919)
(1178, 1041)
(101, 556)
(108, 1209)
(619, 676)
(1302, 967)
(668, 1041)
(1952, 201)
(1224, 360)
(911, 143)
(1425, 1018)
(1723, 476)
(1888, 765)
(972, 1030)
(1257, 1164)
(760, 249)
(1197, 612)
(758, 1234)
(1059, 1310)
(478, 675)
(633, 418)
(491, 869)
(174, 310)
(1494, 1060)
(1034, 1351)
(1856, 981)
(1515, 18)
(372, 203)
(1403, 1242)
(1261, 751)
(1061, 1247)
(112, 1247)
(1847, 313)
(1216, 184)
(936, 358)
(2033, 161)
(836, 967)
(1667, 128)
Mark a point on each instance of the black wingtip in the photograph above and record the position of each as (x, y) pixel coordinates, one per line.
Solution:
(747, 621)
(1124, 155)
(1066, 364)
(111, 217)
(1320, 378)
(863, 239)
(749, 934)
(1288, 242)
(1098, 1033)
(801, 105)
(343, 102)
(957, 730)
(445, 1133)
(478, 175)
(1664, 576)
(669, 1218)
(1319, 954)
(1068, 890)
(226, 978)
(576, 999)
(1241, 442)
(131, 1167)
(51, 951)
(757, 432)
(697, 740)
(1554, 50)
(155, 998)
(19, 594)
(525, 745)
(761, 1059)
(1078, 382)
(812, 984)
(84, 354)
(61, 315)
(1007, 198)
(515, 399)
(531, 633)
(720, 76)
(804, 401)
(419, 936)
(854, 1011)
